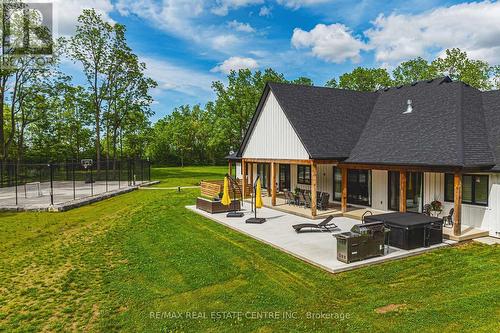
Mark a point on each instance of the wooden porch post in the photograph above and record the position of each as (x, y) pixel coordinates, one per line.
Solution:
(243, 178)
(402, 191)
(457, 223)
(314, 187)
(251, 174)
(230, 168)
(273, 183)
(343, 195)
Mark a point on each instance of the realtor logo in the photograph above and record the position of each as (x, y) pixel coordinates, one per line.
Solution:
(27, 29)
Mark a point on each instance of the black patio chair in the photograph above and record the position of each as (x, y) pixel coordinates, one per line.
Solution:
(302, 199)
(289, 198)
(323, 201)
(307, 200)
(427, 210)
(448, 220)
(325, 225)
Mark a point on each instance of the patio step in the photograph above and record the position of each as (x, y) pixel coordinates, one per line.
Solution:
(468, 233)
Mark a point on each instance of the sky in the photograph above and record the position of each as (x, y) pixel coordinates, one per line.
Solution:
(188, 44)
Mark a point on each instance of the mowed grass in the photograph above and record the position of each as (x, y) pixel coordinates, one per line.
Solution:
(142, 262)
(187, 176)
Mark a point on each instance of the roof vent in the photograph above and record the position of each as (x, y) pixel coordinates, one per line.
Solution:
(410, 107)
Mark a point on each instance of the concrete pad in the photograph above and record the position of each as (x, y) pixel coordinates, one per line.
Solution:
(488, 240)
(468, 233)
(317, 248)
(66, 195)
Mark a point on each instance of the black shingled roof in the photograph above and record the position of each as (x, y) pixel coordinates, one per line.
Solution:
(451, 124)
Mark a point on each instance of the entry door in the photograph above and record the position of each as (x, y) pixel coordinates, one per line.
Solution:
(284, 178)
(414, 191)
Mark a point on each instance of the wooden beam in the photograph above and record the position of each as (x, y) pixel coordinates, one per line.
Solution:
(230, 168)
(244, 177)
(273, 184)
(268, 185)
(314, 188)
(402, 191)
(457, 187)
(397, 167)
(343, 195)
(334, 162)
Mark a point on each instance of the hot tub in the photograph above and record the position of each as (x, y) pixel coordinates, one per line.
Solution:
(411, 230)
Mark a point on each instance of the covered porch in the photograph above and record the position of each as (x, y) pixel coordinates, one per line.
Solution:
(278, 175)
(334, 209)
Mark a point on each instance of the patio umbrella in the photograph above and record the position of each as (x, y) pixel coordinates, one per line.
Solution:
(226, 200)
(258, 195)
(258, 204)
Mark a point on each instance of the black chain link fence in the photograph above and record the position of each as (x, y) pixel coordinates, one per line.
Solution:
(55, 183)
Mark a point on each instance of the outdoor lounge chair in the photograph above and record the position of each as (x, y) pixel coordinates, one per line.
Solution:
(325, 225)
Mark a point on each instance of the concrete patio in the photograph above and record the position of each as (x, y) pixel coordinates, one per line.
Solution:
(317, 248)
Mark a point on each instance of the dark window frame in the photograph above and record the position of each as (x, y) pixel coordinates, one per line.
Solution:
(369, 203)
(306, 170)
(473, 202)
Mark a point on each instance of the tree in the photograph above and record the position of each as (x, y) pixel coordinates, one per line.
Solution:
(414, 70)
(363, 79)
(91, 46)
(128, 92)
(236, 103)
(495, 76)
(303, 81)
(332, 83)
(19, 71)
(459, 67)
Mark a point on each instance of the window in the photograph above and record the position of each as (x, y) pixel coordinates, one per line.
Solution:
(304, 174)
(337, 184)
(474, 189)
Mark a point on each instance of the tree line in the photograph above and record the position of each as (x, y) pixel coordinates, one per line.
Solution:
(206, 134)
(47, 117)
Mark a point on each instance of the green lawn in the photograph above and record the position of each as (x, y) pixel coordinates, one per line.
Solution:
(108, 266)
(187, 176)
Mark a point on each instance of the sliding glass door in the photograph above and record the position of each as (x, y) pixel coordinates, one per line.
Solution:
(414, 191)
(358, 186)
(262, 172)
(284, 177)
(393, 190)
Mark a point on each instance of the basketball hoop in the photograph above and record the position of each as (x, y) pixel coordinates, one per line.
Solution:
(86, 163)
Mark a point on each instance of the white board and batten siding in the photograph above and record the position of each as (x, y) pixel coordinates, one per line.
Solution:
(481, 217)
(273, 136)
